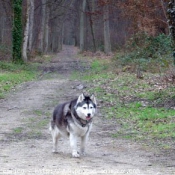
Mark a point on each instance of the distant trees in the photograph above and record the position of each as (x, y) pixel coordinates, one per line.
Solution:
(90, 24)
(93, 10)
(146, 16)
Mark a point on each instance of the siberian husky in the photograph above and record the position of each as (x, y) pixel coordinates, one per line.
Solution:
(73, 120)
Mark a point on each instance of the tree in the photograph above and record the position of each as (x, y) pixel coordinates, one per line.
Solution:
(42, 30)
(31, 25)
(92, 23)
(107, 40)
(77, 22)
(17, 31)
(26, 33)
(46, 41)
(82, 22)
(171, 16)
(146, 16)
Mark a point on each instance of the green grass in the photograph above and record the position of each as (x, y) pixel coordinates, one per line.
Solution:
(38, 119)
(133, 102)
(36, 123)
(18, 130)
(12, 75)
(149, 121)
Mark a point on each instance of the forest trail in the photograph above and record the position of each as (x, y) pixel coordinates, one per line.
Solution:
(26, 144)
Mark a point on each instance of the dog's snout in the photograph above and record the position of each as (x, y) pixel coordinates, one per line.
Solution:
(88, 114)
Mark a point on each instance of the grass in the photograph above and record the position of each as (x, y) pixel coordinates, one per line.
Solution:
(38, 119)
(12, 75)
(137, 104)
(34, 123)
(37, 122)
(151, 122)
(18, 130)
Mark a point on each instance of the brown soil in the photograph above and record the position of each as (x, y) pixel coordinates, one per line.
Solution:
(26, 144)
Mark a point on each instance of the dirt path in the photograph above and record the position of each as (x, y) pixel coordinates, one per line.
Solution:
(26, 144)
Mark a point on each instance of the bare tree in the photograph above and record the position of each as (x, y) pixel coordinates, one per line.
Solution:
(92, 23)
(26, 33)
(31, 25)
(42, 30)
(82, 22)
(107, 41)
(171, 15)
(46, 41)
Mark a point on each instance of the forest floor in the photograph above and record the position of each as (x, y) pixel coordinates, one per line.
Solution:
(26, 144)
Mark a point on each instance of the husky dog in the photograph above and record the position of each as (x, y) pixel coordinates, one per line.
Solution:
(73, 120)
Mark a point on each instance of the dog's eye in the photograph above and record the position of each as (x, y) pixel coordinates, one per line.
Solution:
(84, 107)
(91, 107)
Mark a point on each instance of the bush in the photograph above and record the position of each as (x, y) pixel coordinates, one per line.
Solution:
(147, 51)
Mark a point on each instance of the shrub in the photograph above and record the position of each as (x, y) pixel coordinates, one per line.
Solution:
(147, 51)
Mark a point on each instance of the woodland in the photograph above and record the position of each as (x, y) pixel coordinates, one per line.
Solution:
(30, 27)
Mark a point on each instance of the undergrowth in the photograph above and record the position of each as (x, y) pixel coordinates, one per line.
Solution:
(150, 53)
(13, 74)
(141, 106)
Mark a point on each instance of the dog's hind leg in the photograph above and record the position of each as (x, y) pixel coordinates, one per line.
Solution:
(55, 136)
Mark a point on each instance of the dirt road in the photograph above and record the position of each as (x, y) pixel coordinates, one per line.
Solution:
(26, 144)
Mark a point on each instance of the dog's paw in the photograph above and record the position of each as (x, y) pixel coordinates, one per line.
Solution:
(75, 154)
(83, 153)
(54, 151)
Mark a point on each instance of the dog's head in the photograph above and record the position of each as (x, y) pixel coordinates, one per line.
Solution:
(86, 106)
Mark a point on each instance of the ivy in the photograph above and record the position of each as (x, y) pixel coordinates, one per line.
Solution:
(17, 33)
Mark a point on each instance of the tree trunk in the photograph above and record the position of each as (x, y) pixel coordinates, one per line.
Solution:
(61, 33)
(55, 36)
(42, 30)
(26, 33)
(46, 43)
(2, 21)
(107, 41)
(31, 24)
(17, 31)
(82, 21)
(92, 24)
(171, 17)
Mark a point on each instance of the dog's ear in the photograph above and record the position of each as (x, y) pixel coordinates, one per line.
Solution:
(80, 98)
(93, 99)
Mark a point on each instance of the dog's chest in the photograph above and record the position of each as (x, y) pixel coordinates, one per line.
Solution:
(79, 130)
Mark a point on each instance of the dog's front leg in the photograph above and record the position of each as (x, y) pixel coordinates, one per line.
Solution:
(83, 144)
(73, 144)
(84, 140)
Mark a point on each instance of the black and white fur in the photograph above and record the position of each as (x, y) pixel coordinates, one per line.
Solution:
(73, 120)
